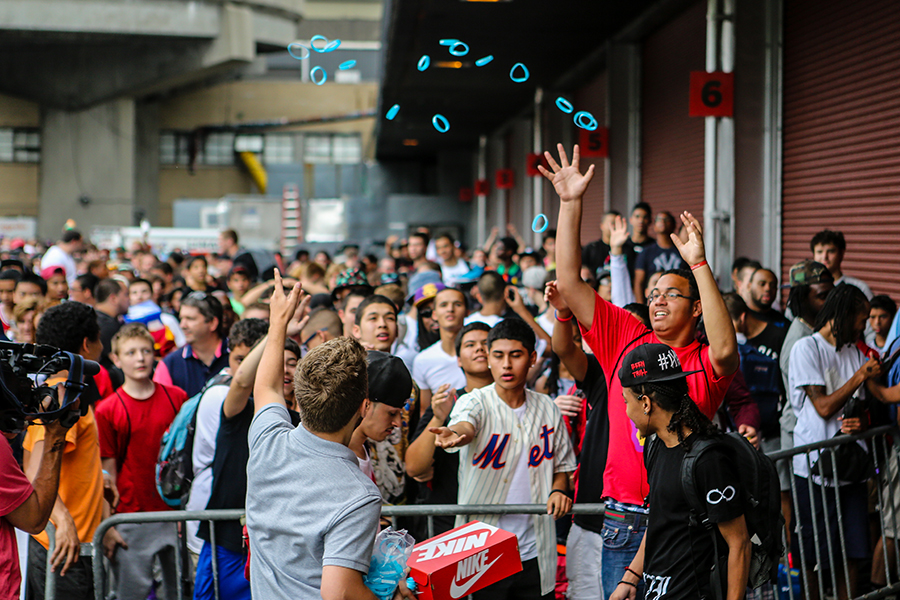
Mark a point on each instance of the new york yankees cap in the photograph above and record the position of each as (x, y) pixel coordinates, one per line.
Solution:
(651, 363)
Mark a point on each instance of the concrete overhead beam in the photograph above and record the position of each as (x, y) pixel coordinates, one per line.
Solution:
(159, 18)
(75, 75)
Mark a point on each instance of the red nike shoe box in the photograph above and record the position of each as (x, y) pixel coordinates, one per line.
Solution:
(454, 564)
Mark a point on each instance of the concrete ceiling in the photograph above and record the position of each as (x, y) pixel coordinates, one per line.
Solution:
(550, 38)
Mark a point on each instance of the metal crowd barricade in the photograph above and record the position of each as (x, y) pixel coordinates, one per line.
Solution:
(49, 579)
(886, 458)
(392, 512)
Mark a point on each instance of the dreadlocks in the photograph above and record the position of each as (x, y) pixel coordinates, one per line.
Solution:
(673, 396)
(842, 307)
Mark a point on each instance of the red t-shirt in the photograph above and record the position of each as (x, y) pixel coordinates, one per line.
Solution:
(613, 334)
(14, 490)
(130, 431)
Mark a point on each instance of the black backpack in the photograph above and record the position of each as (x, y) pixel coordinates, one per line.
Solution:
(762, 504)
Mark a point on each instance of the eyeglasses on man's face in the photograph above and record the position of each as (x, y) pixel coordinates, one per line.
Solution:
(670, 295)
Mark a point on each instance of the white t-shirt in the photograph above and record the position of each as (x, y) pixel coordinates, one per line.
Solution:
(851, 281)
(815, 362)
(209, 416)
(546, 322)
(490, 320)
(520, 493)
(451, 275)
(433, 367)
(408, 348)
(57, 257)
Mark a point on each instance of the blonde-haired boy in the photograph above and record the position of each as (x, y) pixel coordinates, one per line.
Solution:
(131, 423)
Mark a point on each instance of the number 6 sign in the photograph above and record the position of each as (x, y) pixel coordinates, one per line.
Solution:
(712, 94)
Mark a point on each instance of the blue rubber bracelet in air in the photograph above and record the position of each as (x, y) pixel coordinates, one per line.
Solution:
(459, 49)
(328, 47)
(448, 42)
(585, 120)
(484, 60)
(292, 48)
(312, 75)
(347, 64)
(392, 112)
(423, 62)
(564, 105)
(522, 78)
(537, 219)
(440, 123)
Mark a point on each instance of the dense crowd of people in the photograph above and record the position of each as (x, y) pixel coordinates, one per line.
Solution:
(490, 375)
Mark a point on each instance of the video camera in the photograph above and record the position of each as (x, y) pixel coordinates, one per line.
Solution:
(24, 401)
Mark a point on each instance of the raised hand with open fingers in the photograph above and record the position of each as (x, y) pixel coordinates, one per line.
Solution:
(692, 251)
(283, 306)
(567, 179)
(618, 235)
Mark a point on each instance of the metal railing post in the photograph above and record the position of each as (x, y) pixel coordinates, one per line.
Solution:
(49, 579)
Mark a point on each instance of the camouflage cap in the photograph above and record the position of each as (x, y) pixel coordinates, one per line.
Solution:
(809, 272)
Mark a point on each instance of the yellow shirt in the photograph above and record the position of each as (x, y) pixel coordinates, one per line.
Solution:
(81, 477)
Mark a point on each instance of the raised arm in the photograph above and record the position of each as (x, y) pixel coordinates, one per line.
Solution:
(268, 388)
(622, 292)
(514, 299)
(563, 341)
(570, 184)
(242, 383)
(723, 352)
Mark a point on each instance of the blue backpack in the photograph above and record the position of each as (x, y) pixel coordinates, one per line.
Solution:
(763, 376)
(174, 466)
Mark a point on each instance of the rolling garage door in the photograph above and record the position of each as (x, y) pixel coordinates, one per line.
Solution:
(841, 158)
(672, 144)
(593, 98)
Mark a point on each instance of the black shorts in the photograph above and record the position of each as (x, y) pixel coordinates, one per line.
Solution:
(854, 515)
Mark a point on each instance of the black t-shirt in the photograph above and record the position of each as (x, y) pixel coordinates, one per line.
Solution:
(595, 256)
(654, 259)
(594, 446)
(109, 326)
(678, 556)
(772, 316)
(444, 485)
(769, 342)
(229, 487)
(632, 250)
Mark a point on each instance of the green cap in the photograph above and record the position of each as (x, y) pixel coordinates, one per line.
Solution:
(809, 272)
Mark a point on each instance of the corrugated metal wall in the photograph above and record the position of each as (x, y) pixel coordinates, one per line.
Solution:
(841, 160)
(592, 98)
(672, 143)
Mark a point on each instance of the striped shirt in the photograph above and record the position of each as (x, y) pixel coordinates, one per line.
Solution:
(487, 464)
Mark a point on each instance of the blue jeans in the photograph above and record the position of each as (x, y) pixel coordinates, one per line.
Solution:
(232, 583)
(621, 542)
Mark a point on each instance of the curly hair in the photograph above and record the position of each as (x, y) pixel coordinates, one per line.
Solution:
(673, 396)
(246, 333)
(67, 325)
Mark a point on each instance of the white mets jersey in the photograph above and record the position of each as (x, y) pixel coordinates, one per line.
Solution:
(487, 464)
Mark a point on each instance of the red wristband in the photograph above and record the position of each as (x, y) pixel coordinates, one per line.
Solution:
(702, 263)
(556, 314)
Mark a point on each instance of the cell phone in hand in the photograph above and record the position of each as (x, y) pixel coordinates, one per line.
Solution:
(510, 294)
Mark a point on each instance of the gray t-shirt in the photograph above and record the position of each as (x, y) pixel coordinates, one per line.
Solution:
(797, 331)
(308, 505)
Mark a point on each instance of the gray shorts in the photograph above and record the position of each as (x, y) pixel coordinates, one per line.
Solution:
(783, 465)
